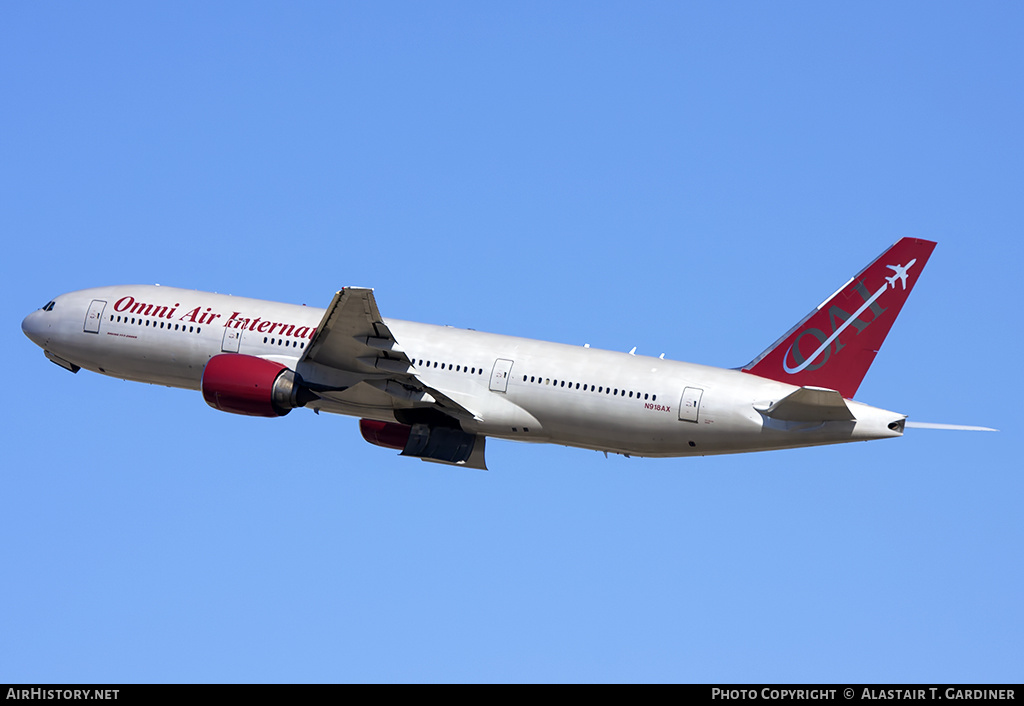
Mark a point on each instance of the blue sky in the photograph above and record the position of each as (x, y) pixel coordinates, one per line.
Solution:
(684, 178)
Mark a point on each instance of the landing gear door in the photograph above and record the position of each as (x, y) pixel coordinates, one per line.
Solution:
(94, 316)
(232, 337)
(499, 375)
(689, 405)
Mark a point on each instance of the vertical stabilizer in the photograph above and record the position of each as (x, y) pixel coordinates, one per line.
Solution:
(835, 344)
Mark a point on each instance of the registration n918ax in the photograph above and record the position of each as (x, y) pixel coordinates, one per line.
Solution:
(437, 393)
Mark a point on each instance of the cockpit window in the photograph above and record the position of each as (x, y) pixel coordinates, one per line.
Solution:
(48, 307)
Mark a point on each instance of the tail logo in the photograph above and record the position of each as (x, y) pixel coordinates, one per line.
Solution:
(900, 274)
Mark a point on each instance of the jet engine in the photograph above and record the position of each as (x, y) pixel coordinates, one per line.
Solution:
(420, 440)
(245, 384)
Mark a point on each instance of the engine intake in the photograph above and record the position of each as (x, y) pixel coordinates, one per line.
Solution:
(245, 384)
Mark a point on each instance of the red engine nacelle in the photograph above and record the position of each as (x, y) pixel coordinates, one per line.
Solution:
(386, 434)
(245, 384)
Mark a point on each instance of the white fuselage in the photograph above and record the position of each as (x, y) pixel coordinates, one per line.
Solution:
(517, 388)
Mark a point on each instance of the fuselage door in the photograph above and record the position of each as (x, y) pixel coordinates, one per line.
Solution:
(94, 316)
(232, 337)
(499, 375)
(689, 405)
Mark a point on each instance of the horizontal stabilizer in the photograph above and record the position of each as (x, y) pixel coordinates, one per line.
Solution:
(809, 404)
(948, 427)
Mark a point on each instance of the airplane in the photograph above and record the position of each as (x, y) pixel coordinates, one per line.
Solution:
(900, 273)
(437, 392)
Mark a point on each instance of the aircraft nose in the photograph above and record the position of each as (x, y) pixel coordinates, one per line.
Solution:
(35, 327)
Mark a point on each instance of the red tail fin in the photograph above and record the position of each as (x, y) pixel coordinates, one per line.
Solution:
(835, 344)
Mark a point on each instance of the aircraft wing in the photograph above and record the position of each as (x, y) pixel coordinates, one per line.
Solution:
(354, 339)
(353, 336)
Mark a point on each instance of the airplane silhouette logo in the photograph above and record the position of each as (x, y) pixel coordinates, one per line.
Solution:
(900, 274)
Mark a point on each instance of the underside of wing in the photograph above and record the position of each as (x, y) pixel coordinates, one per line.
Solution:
(353, 337)
(354, 360)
